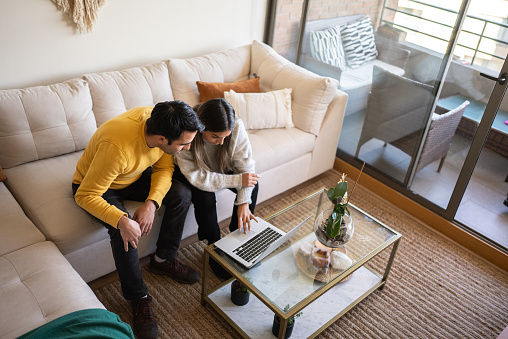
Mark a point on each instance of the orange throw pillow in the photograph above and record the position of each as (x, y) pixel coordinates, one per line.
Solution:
(212, 90)
(2, 175)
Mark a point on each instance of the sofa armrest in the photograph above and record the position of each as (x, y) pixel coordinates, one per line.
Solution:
(325, 147)
(393, 55)
(320, 68)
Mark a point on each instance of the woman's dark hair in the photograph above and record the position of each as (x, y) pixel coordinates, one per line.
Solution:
(171, 118)
(218, 116)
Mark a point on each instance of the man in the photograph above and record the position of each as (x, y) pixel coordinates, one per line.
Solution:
(131, 157)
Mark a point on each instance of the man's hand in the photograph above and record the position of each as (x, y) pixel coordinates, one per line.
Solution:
(244, 217)
(130, 232)
(144, 215)
(249, 179)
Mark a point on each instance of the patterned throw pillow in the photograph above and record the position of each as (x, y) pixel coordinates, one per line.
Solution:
(326, 46)
(358, 42)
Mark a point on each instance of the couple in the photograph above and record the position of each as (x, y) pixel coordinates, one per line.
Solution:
(131, 157)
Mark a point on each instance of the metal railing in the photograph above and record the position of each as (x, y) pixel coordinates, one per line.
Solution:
(481, 35)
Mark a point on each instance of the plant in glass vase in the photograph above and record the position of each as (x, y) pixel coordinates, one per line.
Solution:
(334, 227)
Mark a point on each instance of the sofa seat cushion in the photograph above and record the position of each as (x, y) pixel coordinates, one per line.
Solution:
(116, 92)
(44, 121)
(231, 65)
(311, 93)
(38, 285)
(16, 229)
(362, 76)
(44, 190)
(274, 147)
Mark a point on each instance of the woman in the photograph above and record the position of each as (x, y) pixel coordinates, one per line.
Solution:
(220, 157)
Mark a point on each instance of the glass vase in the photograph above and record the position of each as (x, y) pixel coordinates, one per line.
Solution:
(347, 229)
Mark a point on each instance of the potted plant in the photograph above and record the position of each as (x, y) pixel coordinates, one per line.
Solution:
(334, 227)
(239, 293)
(290, 326)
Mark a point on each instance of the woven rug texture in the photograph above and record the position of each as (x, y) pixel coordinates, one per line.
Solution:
(436, 289)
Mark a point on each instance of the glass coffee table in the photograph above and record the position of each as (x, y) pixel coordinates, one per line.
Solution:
(284, 283)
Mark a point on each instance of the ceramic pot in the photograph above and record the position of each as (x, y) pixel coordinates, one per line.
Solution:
(345, 234)
(276, 328)
(237, 296)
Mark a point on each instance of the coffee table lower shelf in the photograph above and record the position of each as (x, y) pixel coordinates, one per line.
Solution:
(255, 319)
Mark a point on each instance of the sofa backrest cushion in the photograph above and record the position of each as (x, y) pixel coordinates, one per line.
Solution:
(311, 93)
(116, 92)
(44, 121)
(230, 65)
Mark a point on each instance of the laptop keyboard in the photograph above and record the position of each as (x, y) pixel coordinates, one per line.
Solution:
(255, 246)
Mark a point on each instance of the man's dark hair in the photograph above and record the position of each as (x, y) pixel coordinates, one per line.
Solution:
(171, 118)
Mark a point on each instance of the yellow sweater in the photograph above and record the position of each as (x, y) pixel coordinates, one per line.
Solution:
(115, 157)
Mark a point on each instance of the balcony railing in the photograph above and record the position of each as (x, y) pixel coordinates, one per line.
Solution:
(481, 35)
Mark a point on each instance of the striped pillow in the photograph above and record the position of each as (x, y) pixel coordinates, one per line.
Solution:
(326, 46)
(358, 41)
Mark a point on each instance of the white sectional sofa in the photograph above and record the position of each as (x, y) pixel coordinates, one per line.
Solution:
(44, 129)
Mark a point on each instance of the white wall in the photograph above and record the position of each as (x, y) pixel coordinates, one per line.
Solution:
(41, 45)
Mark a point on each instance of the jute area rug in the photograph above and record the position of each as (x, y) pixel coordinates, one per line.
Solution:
(436, 289)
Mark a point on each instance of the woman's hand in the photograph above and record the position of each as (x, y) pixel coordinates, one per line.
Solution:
(244, 217)
(249, 179)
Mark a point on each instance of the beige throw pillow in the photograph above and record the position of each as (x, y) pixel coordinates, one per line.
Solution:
(263, 110)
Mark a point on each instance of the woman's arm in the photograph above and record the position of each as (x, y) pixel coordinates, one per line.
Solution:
(205, 180)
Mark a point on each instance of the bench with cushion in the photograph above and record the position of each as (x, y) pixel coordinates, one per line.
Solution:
(345, 48)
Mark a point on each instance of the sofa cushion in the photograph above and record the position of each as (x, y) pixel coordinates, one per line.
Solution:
(311, 93)
(116, 92)
(278, 146)
(358, 41)
(262, 110)
(43, 188)
(16, 229)
(230, 65)
(362, 76)
(212, 90)
(326, 46)
(42, 286)
(44, 121)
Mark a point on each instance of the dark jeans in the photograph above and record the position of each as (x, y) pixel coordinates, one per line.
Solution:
(177, 202)
(205, 209)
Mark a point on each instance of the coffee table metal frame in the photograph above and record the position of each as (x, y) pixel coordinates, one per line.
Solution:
(211, 251)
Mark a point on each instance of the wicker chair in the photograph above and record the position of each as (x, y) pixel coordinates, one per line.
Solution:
(397, 108)
(396, 114)
(439, 137)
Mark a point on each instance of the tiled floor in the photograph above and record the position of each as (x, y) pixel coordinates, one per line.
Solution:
(482, 207)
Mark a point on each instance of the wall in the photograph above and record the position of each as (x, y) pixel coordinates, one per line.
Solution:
(289, 12)
(41, 45)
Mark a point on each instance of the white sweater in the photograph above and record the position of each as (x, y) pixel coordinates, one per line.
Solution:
(214, 181)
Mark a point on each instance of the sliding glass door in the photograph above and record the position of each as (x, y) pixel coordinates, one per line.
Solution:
(418, 111)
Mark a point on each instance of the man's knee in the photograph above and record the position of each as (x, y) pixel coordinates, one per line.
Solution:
(178, 195)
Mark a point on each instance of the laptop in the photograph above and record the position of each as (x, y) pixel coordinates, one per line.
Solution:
(249, 249)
